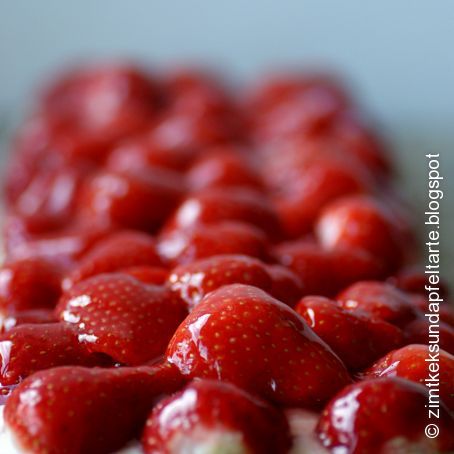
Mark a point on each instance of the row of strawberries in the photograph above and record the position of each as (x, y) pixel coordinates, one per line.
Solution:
(160, 231)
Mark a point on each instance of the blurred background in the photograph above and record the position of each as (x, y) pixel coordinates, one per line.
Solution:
(396, 54)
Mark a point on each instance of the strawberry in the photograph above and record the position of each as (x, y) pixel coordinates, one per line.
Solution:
(75, 410)
(379, 300)
(148, 274)
(216, 205)
(383, 415)
(63, 246)
(119, 198)
(363, 223)
(49, 200)
(223, 166)
(311, 264)
(115, 252)
(212, 416)
(143, 151)
(240, 334)
(317, 184)
(326, 272)
(229, 237)
(29, 284)
(413, 280)
(411, 362)
(195, 130)
(26, 349)
(33, 316)
(356, 339)
(194, 280)
(419, 332)
(122, 317)
(285, 284)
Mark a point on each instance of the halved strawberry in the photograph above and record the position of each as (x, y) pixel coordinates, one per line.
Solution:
(383, 415)
(138, 200)
(363, 223)
(240, 334)
(122, 317)
(180, 246)
(418, 363)
(379, 300)
(311, 264)
(32, 316)
(194, 280)
(211, 416)
(419, 330)
(26, 349)
(217, 204)
(74, 410)
(325, 272)
(29, 284)
(223, 166)
(115, 252)
(357, 339)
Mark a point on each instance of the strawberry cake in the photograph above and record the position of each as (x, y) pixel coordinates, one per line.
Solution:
(195, 269)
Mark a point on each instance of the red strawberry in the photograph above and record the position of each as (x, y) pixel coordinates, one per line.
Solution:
(115, 252)
(285, 284)
(420, 332)
(200, 241)
(136, 200)
(122, 317)
(352, 265)
(379, 300)
(211, 416)
(417, 363)
(74, 410)
(223, 166)
(29, 284)
(26, 349)
(194, 280)
(383, 415)
(311, 264)
(64, 246)
(356, 339)
(148, 274)
(49, 200)
(144, 152)
(240, 334)
(363, 223)
(317, 184)
(216, 205)
(196, 130)
(414, 280)
(33, 316)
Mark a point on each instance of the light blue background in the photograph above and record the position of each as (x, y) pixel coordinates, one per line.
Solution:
(398, 54)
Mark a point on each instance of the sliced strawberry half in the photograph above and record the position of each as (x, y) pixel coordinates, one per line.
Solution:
(356, 338)
(194, 280)
(383, 415)
(240, 334)
(115, 252)
(211, 416)
(75, 410)
(379, 300)
(29, 284)
(180, 246)
(26, 349)
(417, 363)
(122, 317)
